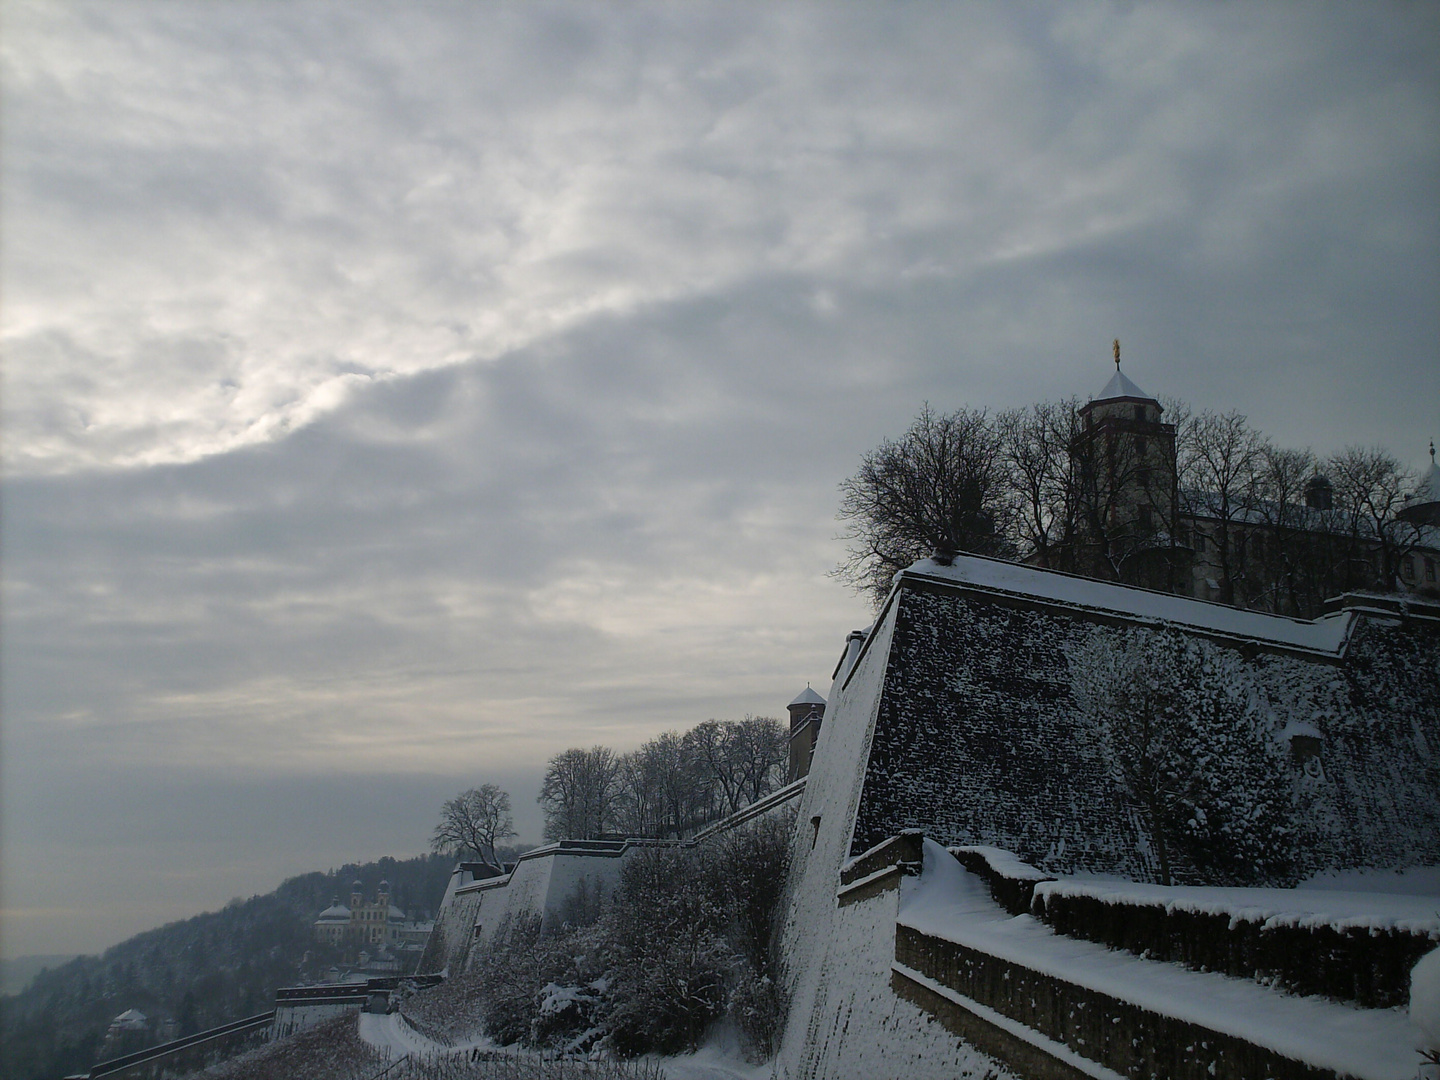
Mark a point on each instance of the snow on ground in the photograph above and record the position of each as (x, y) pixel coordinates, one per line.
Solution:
(714, 1062)
(391, 1032)
(1413, 881)
(1270, 907)
(711, 1063)
(948, 902)
(1425, 997)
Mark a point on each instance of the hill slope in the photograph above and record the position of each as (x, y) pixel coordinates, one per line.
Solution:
(207, 970)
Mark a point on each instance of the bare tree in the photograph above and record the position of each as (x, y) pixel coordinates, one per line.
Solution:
(579, 793)
(1291, 572)
(475, 820)
(637, 809)
(760, 750)
(939, 489)
(665, 791)
(1044, 480)
(1371, 488)
(744, 760)
(1219, 463)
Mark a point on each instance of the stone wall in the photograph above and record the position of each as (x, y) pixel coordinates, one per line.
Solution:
(979, 740)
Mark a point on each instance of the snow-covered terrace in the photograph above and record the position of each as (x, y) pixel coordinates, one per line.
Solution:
(950, 904)
(1270, 908)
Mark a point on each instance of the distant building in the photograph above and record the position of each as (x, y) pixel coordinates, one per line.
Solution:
(129, 1020)
(333, 925)
(1135, 524)
(130, 1031)
(371, 923)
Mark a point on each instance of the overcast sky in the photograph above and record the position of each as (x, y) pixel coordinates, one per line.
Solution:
(395, 396)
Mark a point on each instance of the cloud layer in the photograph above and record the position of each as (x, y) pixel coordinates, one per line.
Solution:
(397, 395)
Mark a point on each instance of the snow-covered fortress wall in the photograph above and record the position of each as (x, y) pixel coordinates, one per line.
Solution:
(553, 884)
(980, 710)
(1323, 736)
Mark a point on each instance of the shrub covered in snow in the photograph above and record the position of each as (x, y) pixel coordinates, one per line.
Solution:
(688, 937)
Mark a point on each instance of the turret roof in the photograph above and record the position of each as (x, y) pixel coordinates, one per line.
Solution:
(1121, 387)
(808, 697)
(1429, 489)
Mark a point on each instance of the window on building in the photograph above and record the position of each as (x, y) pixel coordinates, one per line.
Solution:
(1429, 569)
(1407, 567)
(1140, 448)
(1140, 413)
(1199, 542)
(1145, 518)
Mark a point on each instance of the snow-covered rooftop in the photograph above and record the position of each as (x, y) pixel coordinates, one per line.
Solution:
(1121, 387)
(1428, 490)
(808, 697)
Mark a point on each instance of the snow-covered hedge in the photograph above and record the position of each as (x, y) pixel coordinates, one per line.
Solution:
(1350, 947)
(1012, 881)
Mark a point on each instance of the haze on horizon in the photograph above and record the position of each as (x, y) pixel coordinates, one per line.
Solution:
(397, 395)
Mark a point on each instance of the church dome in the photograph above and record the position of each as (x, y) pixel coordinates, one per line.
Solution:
(1423, 507)
(336, 912)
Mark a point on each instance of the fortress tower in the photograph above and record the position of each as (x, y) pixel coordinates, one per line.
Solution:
(807, 712)
(1125, 458)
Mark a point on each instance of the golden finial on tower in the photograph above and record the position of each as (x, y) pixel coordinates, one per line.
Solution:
(1117, 354)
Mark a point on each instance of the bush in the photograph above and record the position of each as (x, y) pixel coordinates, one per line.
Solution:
(689, 935)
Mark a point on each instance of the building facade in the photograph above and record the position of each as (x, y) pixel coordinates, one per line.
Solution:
(1287, 550)
(375, 924)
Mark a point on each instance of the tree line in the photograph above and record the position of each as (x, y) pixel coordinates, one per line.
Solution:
(1289, 529)
(668, 787)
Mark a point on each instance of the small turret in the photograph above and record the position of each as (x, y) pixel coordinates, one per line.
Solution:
(1319, 493)
(1423, 507)
(807, 712)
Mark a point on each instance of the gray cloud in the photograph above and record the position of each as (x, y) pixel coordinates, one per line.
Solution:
(396, 396)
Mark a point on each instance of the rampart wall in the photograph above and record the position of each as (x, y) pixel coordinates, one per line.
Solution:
(979, 738)
(965, 716)
(552, 884)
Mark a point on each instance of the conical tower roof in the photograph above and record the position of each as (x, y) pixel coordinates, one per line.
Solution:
(808, 697)
(1428, 490)
(1121, 387)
